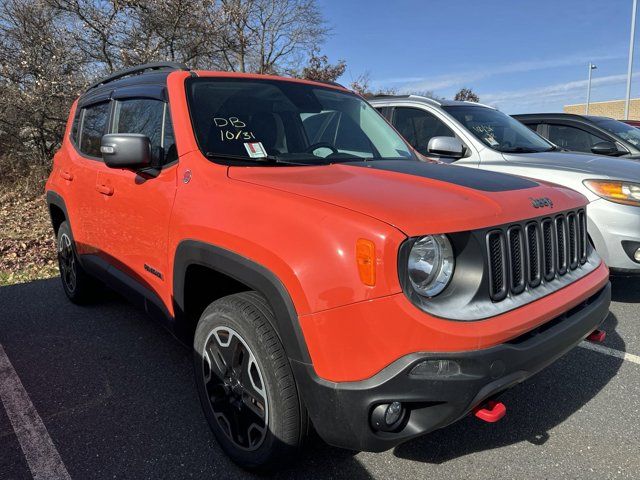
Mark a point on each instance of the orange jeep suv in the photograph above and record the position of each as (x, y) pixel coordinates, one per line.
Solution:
(324, 273)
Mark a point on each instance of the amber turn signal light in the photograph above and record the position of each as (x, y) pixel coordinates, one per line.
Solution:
(366, 259)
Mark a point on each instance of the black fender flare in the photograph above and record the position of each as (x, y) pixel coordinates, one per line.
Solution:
(53, 198)
(250, 273)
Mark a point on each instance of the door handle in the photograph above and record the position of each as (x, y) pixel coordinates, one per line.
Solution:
(105, 189)
(66, 175)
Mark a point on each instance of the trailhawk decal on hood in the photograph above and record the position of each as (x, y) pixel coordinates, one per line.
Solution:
(463, 176)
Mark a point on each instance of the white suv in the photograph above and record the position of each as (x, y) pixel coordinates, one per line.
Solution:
(479, 136)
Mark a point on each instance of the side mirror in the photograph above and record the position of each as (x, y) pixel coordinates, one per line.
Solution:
(446, 147)
(605, 148)
(126, 150)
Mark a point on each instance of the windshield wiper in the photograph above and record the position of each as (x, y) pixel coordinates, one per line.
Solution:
(267, 159)
(520, 150)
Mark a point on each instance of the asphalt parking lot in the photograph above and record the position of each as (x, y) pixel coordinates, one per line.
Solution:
(115, 393)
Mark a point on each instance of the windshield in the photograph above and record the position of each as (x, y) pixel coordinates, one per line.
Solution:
(498, 130)
(626, 132)
(263, 119)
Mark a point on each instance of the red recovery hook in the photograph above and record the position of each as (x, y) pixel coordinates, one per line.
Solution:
(491, 411)
(597, 336)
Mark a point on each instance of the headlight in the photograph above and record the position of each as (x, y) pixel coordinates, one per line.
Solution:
(431, 265)
(627, 193)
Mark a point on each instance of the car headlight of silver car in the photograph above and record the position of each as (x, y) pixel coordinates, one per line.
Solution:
(618, 191)
(430, 265)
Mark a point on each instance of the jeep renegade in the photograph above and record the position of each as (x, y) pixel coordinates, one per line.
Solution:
(323, 273)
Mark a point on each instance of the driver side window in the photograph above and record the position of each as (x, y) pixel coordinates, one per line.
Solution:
(151, 118)
(418, 127)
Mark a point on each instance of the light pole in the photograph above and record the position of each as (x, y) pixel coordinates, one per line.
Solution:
(591, 68)
(630, 68)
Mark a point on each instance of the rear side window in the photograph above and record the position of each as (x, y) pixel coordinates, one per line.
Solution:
(573, 138)
(94, 126)
(151, 118)
(75, 128)
(418, 127)
(169, 139)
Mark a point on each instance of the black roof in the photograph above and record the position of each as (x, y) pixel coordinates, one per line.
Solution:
(149, 74)
(558, 116)
(150, 78)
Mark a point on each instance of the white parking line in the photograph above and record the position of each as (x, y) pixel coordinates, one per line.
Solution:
(42, 457)
(630, 357)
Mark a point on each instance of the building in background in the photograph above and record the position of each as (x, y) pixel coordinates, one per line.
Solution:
(612, 108)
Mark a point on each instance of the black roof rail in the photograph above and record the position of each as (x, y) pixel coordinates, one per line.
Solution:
(139, 69)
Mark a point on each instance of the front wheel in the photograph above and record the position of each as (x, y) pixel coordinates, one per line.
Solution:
(245, 383)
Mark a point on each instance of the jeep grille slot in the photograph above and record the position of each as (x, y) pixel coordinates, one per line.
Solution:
(549, 250)
(582, 238)
(572, 223)
(497, 265)
(516, 259)
(534, 255)
(561, 242)
(524, 256)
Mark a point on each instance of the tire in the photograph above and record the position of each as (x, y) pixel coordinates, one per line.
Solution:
(78, 285)
(246, 385)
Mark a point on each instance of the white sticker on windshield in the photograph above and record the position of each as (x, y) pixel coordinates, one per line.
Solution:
(255, 150)
(492, 141)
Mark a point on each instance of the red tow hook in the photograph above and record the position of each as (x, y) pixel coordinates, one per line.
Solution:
(490, 411)
(597, 336)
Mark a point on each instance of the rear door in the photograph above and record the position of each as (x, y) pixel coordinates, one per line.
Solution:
(136, 205)
(79, 174)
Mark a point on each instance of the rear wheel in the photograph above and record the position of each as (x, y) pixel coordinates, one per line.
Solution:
(245, 383)
(78, 285)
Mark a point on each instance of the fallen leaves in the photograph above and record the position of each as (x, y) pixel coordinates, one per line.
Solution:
(27, 244)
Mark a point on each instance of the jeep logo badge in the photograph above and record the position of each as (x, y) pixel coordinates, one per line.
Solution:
(541, 202)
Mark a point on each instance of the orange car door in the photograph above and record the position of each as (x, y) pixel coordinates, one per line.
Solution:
(79, 173)
(136, 206)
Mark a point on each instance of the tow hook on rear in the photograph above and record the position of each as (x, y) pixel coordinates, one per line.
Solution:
(490, 411)
(597, 336)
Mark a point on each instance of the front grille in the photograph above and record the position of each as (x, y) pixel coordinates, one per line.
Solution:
(523, 256)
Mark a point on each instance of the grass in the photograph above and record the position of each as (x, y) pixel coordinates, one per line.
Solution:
(27, 244)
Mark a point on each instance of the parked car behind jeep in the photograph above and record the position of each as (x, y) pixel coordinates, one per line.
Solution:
(322, 272)
(478, 136)
(586, 133)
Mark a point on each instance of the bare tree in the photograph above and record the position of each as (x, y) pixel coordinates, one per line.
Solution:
(97, 27)
(40, 71)
(270, 36)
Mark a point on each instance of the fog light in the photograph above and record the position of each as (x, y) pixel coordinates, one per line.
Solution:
(637, 255)
(388, 416)
(436, 368)
(392, 415)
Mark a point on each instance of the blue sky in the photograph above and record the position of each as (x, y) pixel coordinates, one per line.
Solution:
(521, 56)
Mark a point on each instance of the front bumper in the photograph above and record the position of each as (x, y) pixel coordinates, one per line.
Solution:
(611, 224)
(341, 411)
